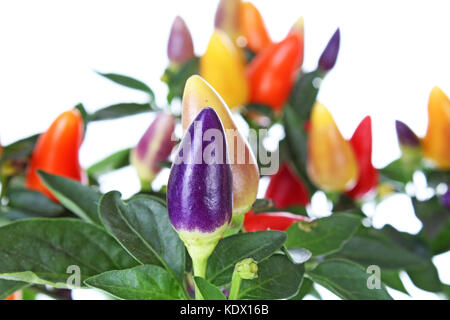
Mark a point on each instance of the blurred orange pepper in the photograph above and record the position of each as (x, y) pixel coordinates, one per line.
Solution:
(223, 67)
(15, 296)
(253, 27)
(56, 152)
(361, 142)
(271, 74)
(331, 163)
(436, 143)
(198, 94)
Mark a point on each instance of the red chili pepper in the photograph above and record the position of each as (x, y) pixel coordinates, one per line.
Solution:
(361, 142)
(286, 189)
(15, 296)
(56, 152)
(271, 220)
(271, 74)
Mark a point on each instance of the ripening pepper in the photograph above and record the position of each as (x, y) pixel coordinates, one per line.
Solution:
(154, 147)
(331, 162)
(198, 94)
(410, 147)
(405, 136)
(329, 55)
(361, 142)
(286, 189)
(223, 67)
(271, 74)
(270, 221)
(199, 191)
(227, 18)
(253, 28)
(56, 152)
(180, 47)
(436, 143)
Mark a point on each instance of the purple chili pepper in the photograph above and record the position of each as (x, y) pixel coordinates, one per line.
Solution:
(406, 137)
(180, 47)
(329, 55)
(445, 200)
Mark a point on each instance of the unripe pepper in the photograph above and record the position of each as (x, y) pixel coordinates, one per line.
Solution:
(198, 94)
(436, 143)
(223, 67)
(361, 142)
(227, 18)
(154, 147)
(329, 55)
(331, 162)
(199, 191)
(253, 27)
(180, 47)
(271, 221)
(286, 189)
(271, 74)
(56, 152)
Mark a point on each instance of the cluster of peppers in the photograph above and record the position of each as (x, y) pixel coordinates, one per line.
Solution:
(243, 67)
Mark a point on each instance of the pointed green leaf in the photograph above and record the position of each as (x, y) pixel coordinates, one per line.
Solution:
(120, 110)
(128, 82)
(208, 290)
(113, 162)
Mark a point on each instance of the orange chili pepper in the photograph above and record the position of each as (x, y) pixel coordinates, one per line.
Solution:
(253, 27)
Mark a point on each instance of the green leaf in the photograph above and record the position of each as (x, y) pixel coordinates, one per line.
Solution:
(79, 199)
(426, 277)
(304, 93)
(262, 109)
(176, 79)
(113, 162)
(139, 283)
(305, 289)
(391, 278)
(20, 149)
(32, 203)
(257, 245)
(208, 290)
(143, 228)
(396, 171)
(128, 82)
(41, 250)
(120, 110)
(347, 280)
(436, 223)
(278, 278)
(8, 287)
(325, 235)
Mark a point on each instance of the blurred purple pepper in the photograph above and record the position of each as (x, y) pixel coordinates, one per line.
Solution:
(180, 47)
(199, 191)
(154, 147)
(406, 137)
(329, 55)
(445, 200)
(227, 18)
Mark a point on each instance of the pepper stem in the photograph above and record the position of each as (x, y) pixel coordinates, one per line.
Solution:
(236, 281)
(199, 266)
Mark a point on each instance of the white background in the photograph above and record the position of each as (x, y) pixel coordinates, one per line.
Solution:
(392, 54)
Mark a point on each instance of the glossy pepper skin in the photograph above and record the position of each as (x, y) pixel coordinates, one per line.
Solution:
(199, 193)
(331, 162)
(223, 67)
(286, 189)
(271, 74)
(154, 147)
(180, 47)
(270, 221)
(56, 152)
(329, 55)
(253, 28)
(436, 143)
(198, 94)
(227, 18)
(361, 142)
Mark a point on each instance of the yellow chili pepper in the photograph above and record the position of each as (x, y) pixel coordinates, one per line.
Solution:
(331, 164)
(223, 67)
(436, 143)
(198, 94)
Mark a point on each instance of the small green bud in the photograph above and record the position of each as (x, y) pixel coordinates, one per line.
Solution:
(247, 269)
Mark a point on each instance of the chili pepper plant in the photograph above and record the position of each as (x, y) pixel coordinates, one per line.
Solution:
(205, 234)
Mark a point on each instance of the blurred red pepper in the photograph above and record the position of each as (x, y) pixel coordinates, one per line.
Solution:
(56, 152)
(271, 74)
(271, 220)
(253, 28)
(361, 143)
(286, 189)
(15, 296)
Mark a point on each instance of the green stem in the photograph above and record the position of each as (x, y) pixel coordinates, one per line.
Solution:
(236, 281)
(199, 266)
(145, 186)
